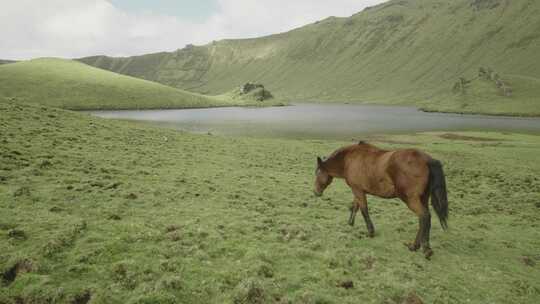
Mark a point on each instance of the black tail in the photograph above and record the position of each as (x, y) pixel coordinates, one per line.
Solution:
(437, 189)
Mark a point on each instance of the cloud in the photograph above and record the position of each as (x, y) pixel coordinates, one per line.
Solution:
(77, 28)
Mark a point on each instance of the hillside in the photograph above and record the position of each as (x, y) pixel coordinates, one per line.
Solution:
(402, 51)
(3, 61)
(73, 85)
(98, 211)
(519, 96)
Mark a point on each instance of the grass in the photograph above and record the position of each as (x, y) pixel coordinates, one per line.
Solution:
(73, 85)
(399, 52)
(97, 211)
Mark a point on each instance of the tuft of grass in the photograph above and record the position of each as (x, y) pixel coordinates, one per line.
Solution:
(227, 219)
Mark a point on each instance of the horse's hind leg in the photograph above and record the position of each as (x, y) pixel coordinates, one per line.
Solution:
(420, 208)
(426, 222)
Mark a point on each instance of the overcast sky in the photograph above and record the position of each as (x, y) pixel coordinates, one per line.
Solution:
(77, 28)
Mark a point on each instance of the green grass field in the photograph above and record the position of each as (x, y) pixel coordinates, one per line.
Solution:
(74, 85)
(400, 52)
(97, 211)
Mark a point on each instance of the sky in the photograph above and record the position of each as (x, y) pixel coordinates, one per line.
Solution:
(78, 28)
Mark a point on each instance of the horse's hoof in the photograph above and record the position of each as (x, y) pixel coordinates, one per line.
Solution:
(412, 246)
(351, 223)
(428, 253)
(371, 234)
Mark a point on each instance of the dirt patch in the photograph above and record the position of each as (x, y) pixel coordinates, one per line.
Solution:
(20, 267)
(131, 196)
(17, 234)
(82, 298)
(114, 217)
(346, 284)
(250, 292)
(368, 262)
(22, 191)
(452, 136)
(412, 298)
(528, 261)
(172, 228)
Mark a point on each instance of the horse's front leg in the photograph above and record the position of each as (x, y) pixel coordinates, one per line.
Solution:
(360, 203)
(354, 210)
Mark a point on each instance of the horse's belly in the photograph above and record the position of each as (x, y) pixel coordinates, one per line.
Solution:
(383, 188)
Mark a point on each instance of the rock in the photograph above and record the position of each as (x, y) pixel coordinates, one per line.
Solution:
(255, 91)
(248, 87)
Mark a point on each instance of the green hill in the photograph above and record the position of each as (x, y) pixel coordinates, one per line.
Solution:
(3, 61)
(520, 96)
(402, 51)
(73, 85)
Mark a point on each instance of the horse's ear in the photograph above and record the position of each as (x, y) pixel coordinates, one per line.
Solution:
(319, 162)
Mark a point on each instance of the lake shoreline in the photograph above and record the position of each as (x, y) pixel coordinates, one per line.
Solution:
(510, 115)
(321, 121)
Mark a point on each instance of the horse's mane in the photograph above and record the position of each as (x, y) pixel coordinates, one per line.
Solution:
(343, 150)
(340, 153)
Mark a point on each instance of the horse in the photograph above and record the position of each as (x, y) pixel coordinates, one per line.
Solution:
(408, 174)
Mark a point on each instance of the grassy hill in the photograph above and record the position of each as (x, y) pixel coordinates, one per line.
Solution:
(97, 211)
(74, 85)
(2, 61)
(402, 51)
(481, 94)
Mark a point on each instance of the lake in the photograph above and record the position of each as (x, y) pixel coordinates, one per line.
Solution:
(324, 121)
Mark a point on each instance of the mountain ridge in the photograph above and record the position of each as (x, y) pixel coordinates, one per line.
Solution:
(398, 52)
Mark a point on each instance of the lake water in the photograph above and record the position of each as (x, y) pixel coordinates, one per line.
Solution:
(320, 120)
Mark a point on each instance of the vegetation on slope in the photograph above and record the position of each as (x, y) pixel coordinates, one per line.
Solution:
(114, 212)
(3, 61)
(402, 51)
(73, 85)
(519, 95)
(254, 92)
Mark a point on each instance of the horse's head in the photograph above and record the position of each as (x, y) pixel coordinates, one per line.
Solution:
(322, 178)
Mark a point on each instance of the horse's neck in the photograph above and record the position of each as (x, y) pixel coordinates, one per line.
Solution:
(335, 164)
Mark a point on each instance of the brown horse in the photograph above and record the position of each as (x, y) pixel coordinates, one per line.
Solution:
(409, 174)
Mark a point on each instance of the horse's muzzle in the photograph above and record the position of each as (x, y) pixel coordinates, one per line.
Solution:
(317, 194)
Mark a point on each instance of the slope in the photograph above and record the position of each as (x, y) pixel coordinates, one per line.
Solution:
(3, 61)
(73, 85)
(402, 51)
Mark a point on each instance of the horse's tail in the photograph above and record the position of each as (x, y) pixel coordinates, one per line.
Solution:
(437, 189)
